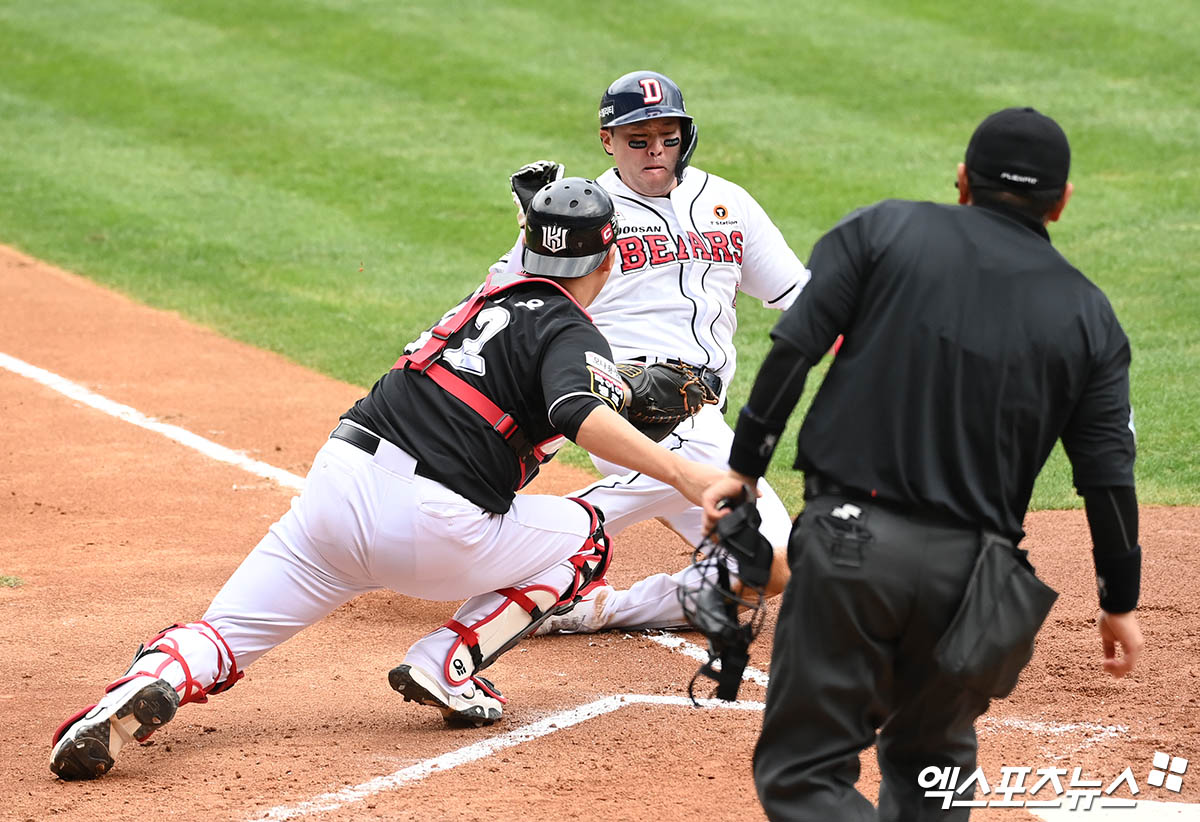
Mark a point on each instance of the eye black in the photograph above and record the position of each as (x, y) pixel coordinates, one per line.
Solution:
(637, 143)
(671, 142)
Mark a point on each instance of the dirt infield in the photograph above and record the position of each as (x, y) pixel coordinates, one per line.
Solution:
(116, 532)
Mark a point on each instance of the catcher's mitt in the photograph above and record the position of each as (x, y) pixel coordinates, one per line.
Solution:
(529, 179)
(664, 394)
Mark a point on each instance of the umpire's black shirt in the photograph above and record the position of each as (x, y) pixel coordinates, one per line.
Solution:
(1007, 347)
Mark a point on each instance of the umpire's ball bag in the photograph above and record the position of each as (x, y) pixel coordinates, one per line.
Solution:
(990, 639)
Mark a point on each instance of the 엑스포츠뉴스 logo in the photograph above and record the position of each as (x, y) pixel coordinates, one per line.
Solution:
(554, 238)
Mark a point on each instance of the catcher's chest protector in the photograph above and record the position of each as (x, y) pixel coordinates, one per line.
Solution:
(425, 361)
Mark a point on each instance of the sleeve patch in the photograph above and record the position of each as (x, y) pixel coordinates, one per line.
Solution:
(602, 364)
(610, 389)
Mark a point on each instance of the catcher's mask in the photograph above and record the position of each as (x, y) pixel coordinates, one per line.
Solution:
(569, 227)
(648, 95)
(735, 554)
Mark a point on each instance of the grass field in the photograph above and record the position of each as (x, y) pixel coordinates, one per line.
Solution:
(323, 178)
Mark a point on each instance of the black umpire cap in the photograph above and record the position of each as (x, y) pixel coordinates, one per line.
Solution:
(1020, 149)
(570, 225)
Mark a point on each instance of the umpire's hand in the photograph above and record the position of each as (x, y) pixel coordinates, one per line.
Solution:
(730, 486)
(1123, 630)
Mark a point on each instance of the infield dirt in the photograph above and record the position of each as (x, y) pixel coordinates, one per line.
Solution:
(116, 532)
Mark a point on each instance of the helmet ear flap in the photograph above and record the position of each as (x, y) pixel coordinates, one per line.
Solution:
(689, 147)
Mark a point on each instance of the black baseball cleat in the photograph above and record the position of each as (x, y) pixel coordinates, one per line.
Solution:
(87, 743)
(482, 704)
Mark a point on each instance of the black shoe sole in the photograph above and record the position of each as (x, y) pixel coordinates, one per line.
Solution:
(413, 691)
(88, 755)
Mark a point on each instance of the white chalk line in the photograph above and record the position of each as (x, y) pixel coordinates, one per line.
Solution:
(216, 451)
(484, 748)
(131, 415)
(1147, 810)
(678, 643)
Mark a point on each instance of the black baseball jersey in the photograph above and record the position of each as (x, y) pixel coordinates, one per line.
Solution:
(1007, 348)
(531, 350)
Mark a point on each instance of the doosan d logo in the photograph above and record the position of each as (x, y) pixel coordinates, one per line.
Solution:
(554, 237)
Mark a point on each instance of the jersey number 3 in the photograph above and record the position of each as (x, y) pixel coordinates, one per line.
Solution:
(491, 321)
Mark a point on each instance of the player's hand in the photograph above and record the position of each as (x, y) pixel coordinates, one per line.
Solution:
(529, 179)
(729, 485)
(1120, 630)
(695, 477)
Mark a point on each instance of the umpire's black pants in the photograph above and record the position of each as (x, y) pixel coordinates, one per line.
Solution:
(868, 599)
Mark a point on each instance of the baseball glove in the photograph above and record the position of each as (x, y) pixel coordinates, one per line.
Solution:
(529, 180)
(663, 394)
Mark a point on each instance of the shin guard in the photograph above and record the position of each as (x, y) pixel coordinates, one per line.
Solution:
(178, 643)
(520, 610)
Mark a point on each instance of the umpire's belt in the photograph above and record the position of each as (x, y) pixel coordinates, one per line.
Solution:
(391, 457)
(816, 485)
(706, 374)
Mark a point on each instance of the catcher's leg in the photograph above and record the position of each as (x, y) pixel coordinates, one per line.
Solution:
(442, 668)
(184, 663)
(283, 585)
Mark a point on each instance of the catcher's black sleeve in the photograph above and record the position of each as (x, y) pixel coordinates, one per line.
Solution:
(776, 390)
(569, 414)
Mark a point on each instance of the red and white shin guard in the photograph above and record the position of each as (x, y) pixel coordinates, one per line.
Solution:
(494, 623)
(192, 657)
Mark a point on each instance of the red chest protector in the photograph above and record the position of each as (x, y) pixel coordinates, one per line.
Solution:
(424, 360)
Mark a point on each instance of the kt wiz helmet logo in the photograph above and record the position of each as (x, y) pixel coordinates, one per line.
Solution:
(554, 238)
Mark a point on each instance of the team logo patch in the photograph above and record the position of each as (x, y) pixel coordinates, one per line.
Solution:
(607, 388)
(554, 238)
(606, 380)
(606, 233)
(720, 212)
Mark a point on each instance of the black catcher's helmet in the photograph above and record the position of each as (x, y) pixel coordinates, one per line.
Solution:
(648, 95)
(569, 227)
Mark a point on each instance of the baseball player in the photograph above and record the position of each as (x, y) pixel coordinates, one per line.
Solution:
(415, 491)
(689, 242)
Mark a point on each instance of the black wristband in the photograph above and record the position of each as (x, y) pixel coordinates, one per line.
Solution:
(754, 442)
(1119, 580)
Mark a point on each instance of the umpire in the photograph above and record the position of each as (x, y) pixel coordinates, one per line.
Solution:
(971, 346)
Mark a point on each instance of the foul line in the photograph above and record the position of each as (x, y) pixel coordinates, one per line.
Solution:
(486, 747)
(132, 415)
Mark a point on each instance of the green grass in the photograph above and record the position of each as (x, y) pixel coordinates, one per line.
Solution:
(9, 581)
(323, 178)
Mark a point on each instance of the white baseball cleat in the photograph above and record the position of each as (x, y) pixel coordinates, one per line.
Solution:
(87, 743)
(481, 704)
(585, 617)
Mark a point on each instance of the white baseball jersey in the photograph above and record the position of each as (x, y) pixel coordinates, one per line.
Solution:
(684, 258)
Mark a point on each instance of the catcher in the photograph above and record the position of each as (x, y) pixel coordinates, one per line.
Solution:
(415, 491)
(690, 242)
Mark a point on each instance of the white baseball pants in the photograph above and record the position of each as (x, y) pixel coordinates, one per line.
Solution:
(367, 522)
